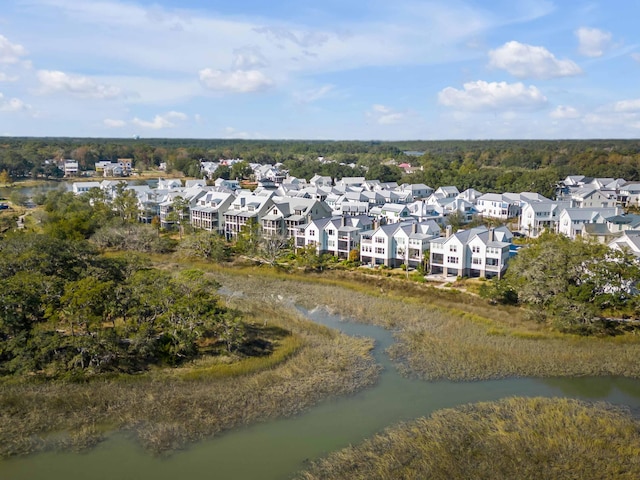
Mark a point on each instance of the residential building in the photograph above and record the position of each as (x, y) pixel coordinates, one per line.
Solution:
(286, 215)
(590, 197)
(629, 240)
(336, 235)
(571, 221)
(537, 217)
(396, 244)
(477, 252)
(208, 211)
(70, 168)
(246, 208)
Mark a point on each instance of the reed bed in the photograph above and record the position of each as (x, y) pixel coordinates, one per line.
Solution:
(523, 438)
(166, 409)
(448, 335)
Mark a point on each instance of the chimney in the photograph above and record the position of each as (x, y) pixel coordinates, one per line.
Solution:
(343, 221)
(414, 228)
(492, 235)
(375, 225)
(448, 231)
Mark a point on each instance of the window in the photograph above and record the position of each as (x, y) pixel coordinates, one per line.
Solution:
(452, 259)
(380, 250)
(476, 261)
(379, 239)
(312, 233)
(330, 231)
(331, 243)
(475, 249)
(453, 248)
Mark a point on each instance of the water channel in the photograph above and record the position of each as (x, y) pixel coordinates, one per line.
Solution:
(279, 448)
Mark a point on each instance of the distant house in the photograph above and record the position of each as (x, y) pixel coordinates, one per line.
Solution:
(571, 221)
(417, 191)
(629, 241)
(629, 194)
(536, 217)
(499, 205)
(83, 187)
(391, 213)
(590, 197)
(70, 168)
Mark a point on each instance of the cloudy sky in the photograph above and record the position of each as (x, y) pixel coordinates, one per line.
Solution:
(322, 69)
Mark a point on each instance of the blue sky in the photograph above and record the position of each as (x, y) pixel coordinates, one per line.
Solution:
(331, 69)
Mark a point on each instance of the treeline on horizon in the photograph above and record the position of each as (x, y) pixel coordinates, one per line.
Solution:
(487, 165)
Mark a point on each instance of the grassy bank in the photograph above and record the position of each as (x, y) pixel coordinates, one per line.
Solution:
(167, 408)
(447, 335)
(533, 438)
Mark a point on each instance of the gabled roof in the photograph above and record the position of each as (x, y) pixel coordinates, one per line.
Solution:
(629, 239)
(588, 214)
(584, 192)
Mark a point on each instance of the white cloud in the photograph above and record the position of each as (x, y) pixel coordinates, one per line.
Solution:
(527, 61)
(313, 95)
(110, 123)
(237, 81)
(230, 132)
(627, 106)
(564, 112)
(485, 96)
(10, 52)
(12, 105)
(53, 81)
(636, 57)
(248, 58)
(613, 122)
(383, 115)
(7, 78)
(160, 121)
(593, 42)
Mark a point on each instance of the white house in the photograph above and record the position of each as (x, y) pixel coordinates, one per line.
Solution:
(70, 168)
(590, 197)
(499, 205)
(83, 187)
(390, 213)
(208, 211)
(571, 221)
(629, 194)
(247, 207)
(333, 235)
(629, 240)
(536, 217)
(476, 252)
(398, 243)
(321, 181)
(286, 215)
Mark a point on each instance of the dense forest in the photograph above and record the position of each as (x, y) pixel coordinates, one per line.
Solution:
(491, 165)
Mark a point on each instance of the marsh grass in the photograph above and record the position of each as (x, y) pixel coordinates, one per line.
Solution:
(167, 408)
(532, 438)
(447, 335)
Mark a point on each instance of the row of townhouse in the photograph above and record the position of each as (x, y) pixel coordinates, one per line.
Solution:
(336, 236)
(477, 252)
(396, 244)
